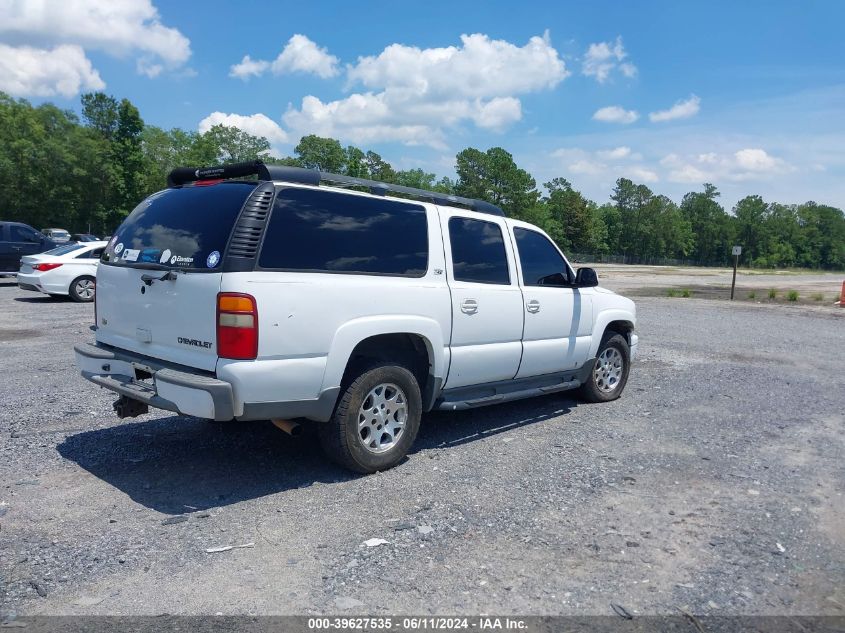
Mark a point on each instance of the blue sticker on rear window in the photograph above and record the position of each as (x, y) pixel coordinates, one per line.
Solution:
(213, 259)
(149, 255)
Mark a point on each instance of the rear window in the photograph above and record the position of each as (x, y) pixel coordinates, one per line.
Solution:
(478, 251)
(326, 231)
(64, 250)
(185, 228)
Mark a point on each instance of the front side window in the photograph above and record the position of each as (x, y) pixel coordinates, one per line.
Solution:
(540, 261)
(478, 251)
(331, 232)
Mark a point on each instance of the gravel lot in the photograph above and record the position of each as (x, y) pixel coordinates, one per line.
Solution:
(714, 484)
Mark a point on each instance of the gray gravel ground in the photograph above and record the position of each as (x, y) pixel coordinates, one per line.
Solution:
(714, 484)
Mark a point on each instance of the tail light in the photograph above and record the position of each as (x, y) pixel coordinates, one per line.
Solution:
(45, 267)
(237, 326)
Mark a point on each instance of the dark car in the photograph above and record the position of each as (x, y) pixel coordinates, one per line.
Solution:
(84, 237)
(18, 240)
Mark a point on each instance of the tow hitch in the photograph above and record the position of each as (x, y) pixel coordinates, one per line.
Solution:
(126, 407)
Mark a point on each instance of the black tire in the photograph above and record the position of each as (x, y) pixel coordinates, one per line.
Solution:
(600, 389)
(340, 436)
(78, 287)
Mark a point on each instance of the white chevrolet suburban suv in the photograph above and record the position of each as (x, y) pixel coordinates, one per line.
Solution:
(283, 298)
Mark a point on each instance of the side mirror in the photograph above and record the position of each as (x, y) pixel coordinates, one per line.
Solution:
(586, 278)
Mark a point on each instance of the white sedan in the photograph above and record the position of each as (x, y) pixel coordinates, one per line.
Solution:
(70, 269)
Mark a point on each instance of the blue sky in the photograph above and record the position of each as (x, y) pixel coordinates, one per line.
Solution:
(747, 95)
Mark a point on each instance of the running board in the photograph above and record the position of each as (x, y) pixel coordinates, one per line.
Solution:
(463, 398)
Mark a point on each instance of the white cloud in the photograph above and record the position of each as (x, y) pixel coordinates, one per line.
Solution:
(756, 160)
(117, 28)
(32, 72)
(741, 165)
(248, 68)
(681, 110)
(415, 94)
(255, 124)
(604, 165)
(641, 174)
(585, 166)
(602, 58)
(615, 153)
(615, 114)
(480, 68)
(300, 55)
(304, 56)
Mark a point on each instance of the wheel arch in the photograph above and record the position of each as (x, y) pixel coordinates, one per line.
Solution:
(416, 342)
(618, 321)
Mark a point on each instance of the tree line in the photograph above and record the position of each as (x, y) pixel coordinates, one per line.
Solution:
(88, 172)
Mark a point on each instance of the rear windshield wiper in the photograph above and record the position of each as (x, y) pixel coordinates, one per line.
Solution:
(170, 275)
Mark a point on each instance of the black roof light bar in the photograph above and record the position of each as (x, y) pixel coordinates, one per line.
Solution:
(184, 175)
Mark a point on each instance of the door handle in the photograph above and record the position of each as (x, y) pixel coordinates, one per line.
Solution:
(469, 306)
(533, 306)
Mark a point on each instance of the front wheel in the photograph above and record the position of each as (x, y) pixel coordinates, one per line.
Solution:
(83, 288)
(376, 420)
(610, 369)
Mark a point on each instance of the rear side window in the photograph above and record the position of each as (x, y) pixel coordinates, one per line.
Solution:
(327, 231)
(23, 234)
(478, 251)
(185, 228)
(540, 261)
(65, 249)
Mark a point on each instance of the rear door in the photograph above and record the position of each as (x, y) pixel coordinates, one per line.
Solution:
(158, 280)
(486, 300)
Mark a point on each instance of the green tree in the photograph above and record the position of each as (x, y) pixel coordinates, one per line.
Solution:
(710, 225)
(750, 228)
(234, 145)
(494, 176)
(324, 154)
(574, 222)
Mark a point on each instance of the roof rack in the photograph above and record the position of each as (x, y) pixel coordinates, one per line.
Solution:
(183, 175)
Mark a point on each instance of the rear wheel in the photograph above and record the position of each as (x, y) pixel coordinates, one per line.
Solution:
(375, 421)
(610, 370)
(83, 289)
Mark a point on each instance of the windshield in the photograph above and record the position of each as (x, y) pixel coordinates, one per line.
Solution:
(185, 228)
(58, 233)
(64, 250)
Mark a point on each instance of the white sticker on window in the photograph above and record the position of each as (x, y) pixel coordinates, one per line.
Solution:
(131, 254)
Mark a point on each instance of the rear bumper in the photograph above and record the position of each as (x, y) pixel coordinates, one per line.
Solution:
(188, 391)
(181, 391)
(42, 283)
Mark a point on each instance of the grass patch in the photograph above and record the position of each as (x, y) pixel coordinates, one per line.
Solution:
(672, 292)
(818, 297)
(686, 293)
(792, 295)
(773, 293)
(752, 295)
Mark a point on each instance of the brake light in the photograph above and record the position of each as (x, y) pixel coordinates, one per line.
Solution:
(208, 183)
(237, 326)
(45, 267)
